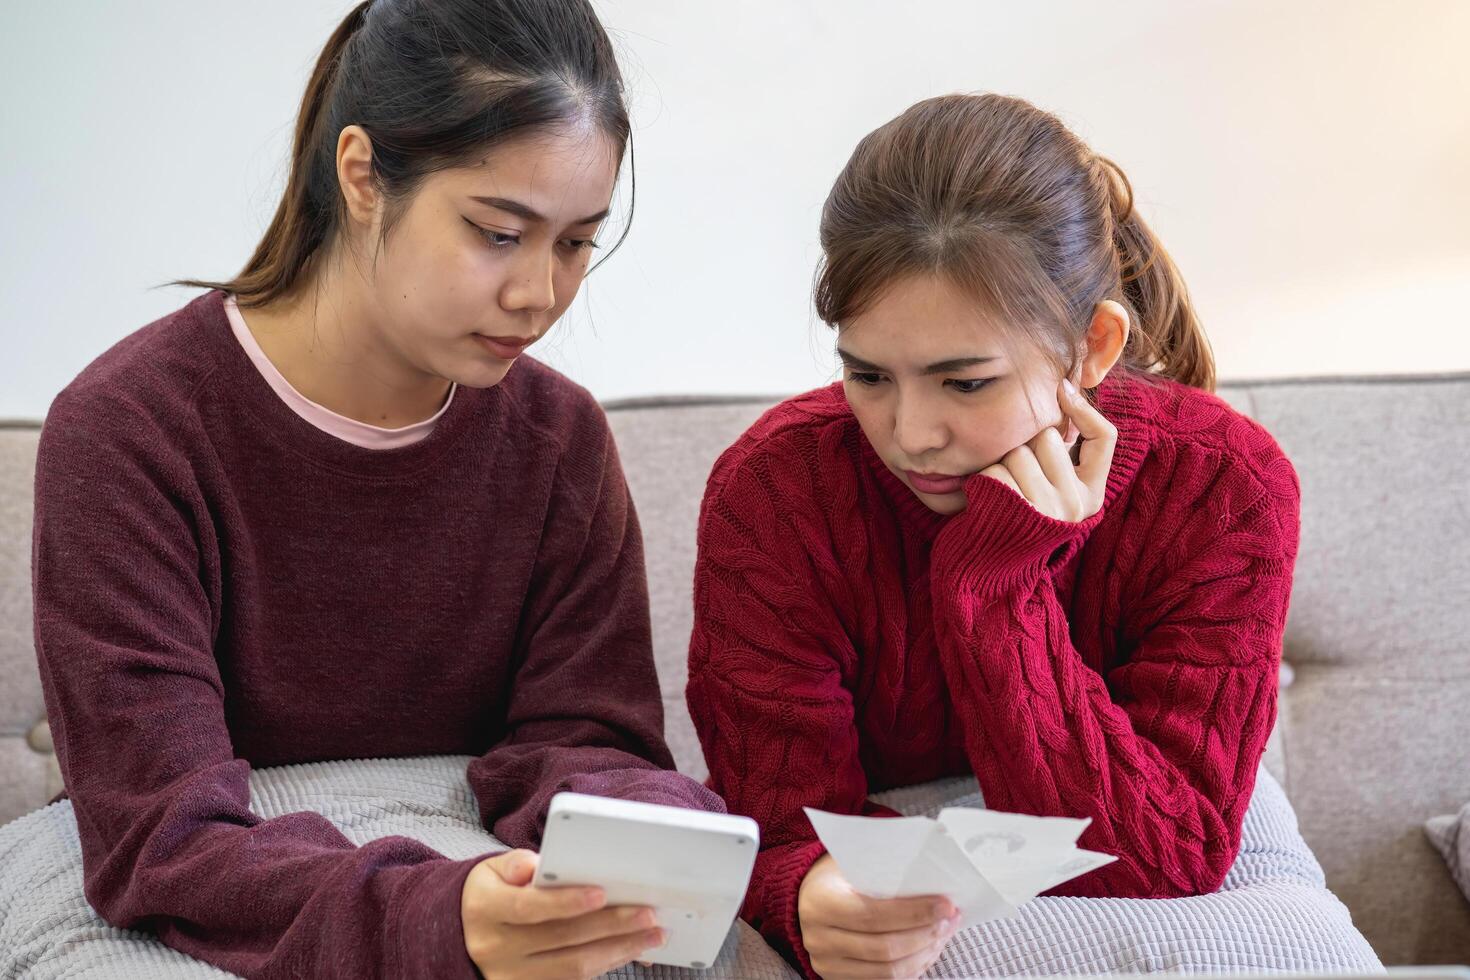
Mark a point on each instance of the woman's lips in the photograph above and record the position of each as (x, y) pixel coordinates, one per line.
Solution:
(935, 482)
(505, 348)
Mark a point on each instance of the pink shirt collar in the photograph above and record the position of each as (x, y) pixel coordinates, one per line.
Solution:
(344, 428)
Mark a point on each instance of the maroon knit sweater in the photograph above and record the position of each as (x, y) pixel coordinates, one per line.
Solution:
(1124, 668)
(220, 585)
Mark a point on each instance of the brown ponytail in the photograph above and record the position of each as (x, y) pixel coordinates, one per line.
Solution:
(1166, 336)
(1009, 205)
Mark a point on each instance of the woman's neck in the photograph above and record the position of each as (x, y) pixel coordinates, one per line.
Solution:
(325, 342)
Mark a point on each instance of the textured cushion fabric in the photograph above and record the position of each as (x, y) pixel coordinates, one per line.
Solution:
(1450, 835)
(47, 929)
(1272, 914)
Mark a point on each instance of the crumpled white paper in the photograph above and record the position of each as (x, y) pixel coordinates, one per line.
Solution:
(988, 863)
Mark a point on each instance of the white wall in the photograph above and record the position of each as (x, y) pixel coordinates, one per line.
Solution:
(1305, 162)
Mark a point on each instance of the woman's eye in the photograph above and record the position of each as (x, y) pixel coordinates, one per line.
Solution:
(864, 377)
(579, 244)
(971, 386)
(495, 239)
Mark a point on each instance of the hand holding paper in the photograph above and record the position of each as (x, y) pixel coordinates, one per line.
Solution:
(987, 863)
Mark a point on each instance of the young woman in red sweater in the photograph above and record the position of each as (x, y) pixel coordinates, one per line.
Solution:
(328, 510)
(1021, 540)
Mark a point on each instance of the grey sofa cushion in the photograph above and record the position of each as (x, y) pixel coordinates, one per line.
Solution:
(28, 772)
(1375, 726)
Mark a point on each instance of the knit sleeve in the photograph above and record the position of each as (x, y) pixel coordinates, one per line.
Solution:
(124, 629)
(770, 672)
(1161, 751)
(584, 712)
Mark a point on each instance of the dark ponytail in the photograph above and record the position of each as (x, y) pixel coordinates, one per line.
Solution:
(435, 84)
(1166, 337)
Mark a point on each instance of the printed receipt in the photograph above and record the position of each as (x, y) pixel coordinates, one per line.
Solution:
(987, 863)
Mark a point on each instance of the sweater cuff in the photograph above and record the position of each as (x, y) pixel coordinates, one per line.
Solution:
(782, 889)
(668, 788)
(1000, 541)
(429, 941)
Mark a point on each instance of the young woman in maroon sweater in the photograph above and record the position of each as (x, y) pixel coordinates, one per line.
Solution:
(923, 572)
(327, 511)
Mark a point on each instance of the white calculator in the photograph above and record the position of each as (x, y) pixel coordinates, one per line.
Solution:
(691, 867)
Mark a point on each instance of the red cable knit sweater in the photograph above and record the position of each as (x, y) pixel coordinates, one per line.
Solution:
(847, 639)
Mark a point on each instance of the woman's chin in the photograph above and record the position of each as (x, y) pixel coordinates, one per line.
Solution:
(482, 374)
(948, 504)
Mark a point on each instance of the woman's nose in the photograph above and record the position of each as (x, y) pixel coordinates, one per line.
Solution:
(916, 431)
(532, 289)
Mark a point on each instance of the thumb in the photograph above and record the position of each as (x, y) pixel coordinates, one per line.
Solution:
(516, 867)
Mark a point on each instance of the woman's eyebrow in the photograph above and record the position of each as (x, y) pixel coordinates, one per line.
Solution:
(855, 362)
(955, 364)
(938, 367)
(530, 214)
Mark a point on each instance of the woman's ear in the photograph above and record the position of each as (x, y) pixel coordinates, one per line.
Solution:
(355, 173)
(1106, 337)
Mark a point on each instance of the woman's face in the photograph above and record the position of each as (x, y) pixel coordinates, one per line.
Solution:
(936, 395)
(485, 259)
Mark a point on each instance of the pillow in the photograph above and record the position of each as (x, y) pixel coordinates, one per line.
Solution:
(1450, 834)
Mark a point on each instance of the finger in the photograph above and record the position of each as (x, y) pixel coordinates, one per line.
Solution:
(884, 947)
(596, 958)
(1089, 421)
(1030, 477)
(529, 905)
(859, 913)
(1067, 488)
(493, 897)
(515, 867)
(623, 920)
(909, 966)
(1060, 472)
(998, 472)
(1099, 437)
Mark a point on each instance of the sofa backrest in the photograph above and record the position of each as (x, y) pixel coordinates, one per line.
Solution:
(1374, 729)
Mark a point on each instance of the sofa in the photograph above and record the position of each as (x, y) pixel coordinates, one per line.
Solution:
(1373, 735)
